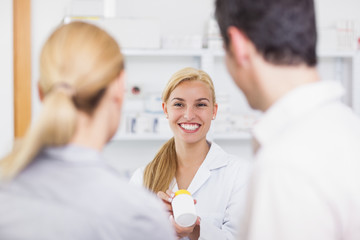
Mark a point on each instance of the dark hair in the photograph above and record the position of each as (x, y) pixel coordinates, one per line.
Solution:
(283, 31)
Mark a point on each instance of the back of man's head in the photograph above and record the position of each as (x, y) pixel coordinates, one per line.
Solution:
(283, 31)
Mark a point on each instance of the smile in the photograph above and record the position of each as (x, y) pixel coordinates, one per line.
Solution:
(189, 126)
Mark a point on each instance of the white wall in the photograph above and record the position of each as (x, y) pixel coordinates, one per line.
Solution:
(329, 11)
(6, 76)
(46, 15)
(176, 17)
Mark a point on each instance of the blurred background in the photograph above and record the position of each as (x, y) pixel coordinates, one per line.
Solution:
(159, 37)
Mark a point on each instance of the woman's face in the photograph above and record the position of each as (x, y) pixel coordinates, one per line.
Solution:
(190, 109)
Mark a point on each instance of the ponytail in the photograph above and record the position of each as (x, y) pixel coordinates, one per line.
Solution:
(160, 172)
(54, 127)
(77, 63)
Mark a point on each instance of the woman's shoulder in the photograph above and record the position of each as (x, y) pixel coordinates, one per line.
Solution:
(138, 176)
(132, 204)
(233, 162)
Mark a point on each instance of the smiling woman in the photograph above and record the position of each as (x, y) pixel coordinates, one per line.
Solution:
(189, 161)
(190, 109)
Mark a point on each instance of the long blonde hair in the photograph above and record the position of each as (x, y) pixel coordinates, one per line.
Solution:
(77, 63)
(160, 172)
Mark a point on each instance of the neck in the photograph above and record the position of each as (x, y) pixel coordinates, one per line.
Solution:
(276, 81)
(191, 155)
(90, 132)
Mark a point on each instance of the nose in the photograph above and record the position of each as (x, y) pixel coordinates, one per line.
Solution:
(189, 113)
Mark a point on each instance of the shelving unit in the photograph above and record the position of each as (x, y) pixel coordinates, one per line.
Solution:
(353, 86)
(163, 52)
(139, 137)
(207, 58)
(217, 52)
(244, 135)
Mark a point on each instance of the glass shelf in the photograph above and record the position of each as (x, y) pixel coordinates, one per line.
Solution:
(218, 52)
(163, 137)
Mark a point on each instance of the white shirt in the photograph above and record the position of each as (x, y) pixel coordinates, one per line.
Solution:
(306, 181)
(219, 188)
(69, 193)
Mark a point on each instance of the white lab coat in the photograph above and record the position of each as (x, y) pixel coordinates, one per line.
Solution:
(219, 188)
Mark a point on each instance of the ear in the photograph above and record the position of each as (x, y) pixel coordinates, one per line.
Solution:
(238, 46)
(215, 110)
(165, 109)
(119, 85)
(40, 92)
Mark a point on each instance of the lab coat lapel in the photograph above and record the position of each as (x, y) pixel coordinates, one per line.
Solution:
(201, 176)
(214, 159)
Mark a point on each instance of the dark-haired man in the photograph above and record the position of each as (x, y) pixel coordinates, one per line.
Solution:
(306, 180)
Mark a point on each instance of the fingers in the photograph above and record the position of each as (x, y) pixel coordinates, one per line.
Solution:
(166, 200)
(183, 231)
(165, 197)
(198, 221)
(170, 193)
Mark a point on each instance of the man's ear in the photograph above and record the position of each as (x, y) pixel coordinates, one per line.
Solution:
(40, 92)
(238, 45)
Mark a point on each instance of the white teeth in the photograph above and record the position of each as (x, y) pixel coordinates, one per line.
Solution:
(190, 126)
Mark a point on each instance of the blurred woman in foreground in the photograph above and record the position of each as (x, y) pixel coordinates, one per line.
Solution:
(56, 184)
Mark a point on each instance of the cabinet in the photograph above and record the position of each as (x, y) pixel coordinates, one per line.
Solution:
(346, 69)
(153, 68)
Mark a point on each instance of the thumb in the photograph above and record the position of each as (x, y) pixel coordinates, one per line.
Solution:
(171, 218)
(198, 220)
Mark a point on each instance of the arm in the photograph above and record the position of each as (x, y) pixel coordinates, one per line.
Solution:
(154, 223)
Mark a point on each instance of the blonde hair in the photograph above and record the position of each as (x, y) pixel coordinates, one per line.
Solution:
(77, 63)
(160, 172)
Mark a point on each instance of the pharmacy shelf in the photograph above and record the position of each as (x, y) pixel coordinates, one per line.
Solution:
(174, 52)
(336, 54)
(233, 136)
(164, 137)
(139, 137)
(207, 56)
(320, 53)
(207, 59)
(163, 52)
(219, 52)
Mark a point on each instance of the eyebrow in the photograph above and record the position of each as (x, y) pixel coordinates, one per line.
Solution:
(201, 99)
(198, 100)
(179, 99)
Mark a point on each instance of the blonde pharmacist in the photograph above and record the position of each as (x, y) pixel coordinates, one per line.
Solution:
(215, 179)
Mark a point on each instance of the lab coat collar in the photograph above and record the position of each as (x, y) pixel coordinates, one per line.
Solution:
(293, 105)
(216, 158)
